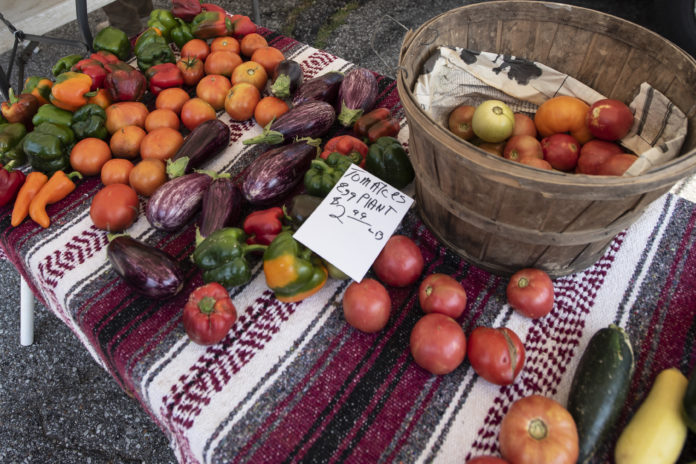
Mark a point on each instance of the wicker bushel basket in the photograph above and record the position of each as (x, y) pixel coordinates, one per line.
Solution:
(502, 215)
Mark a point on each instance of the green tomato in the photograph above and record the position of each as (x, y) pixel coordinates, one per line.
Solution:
(493, 121)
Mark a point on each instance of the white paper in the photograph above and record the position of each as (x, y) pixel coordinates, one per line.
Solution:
(355, 220)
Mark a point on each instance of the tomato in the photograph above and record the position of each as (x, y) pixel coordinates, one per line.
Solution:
(493, 121)
(536, 162)
(561, 151)
(89, 155)
(269, 108)
(251, 72)
(196, 111)
(229, 44)
(114, 208)
(147, 176)
(492, 148)
(486, 460)
(400, 262)
(125, 142)
(192, 70)
(497, 355)
(593, 154)
(161, 118)
(530, 292)
(367, 305)
(252, 42)
(116, 171)
(241, 101)
(222, 63)
(172, 98)
(524, 125)
(268, 57)
(459, 121)
(440, 293)
(617, 164)
(438, 343)
(609, 119)
(213, 88)
(196, 48)
(521, 146)
(538, 430)
(161, 143)
(563, 114)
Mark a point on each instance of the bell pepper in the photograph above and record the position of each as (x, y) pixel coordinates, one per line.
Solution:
(102, 98)
(55, 189)
(90, 121)
(242, 25)
(212, 7)
(181, 33)
(263, 226)
(323, 174)
(94, 69)
(375, 124)
(347, 145)
(51, 113)
(147, 37)
(31, 186)
(211, 24)
(126, 85)
(208, 314)
(113, 40)
(11, 136)
(163, 20)
(10, 183)
(45, 148)
(40, 87)
(186, 9)
(64, 133)
(70, 90)
(64, 64)
(20, 108)
(105, 57)
(292, 271)
(163, 76)
(388, 160)
(301, 207)
(221, 257)
(155, 53)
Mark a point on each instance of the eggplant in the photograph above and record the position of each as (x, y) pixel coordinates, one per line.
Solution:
(287, 77)
(357, 94)
(222, 205)
(176, 201)
(276, 172)
(321, 88)
(146, 269)
(205, 141)
(311, 119)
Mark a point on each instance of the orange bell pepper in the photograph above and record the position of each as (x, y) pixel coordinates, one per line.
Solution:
(71, 90)
(102, 98)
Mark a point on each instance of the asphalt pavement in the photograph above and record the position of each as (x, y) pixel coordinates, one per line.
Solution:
(56, 404)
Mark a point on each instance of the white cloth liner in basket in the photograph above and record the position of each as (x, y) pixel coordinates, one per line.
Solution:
(453, 76)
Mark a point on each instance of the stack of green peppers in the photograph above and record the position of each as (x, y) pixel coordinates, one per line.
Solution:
(48, 147)
(11, 137)
(152, 48)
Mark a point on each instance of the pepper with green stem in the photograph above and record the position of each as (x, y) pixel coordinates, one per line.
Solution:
(324, 174)
(388, 160)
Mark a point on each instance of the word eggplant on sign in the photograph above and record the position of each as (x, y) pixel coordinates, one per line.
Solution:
(355, 220)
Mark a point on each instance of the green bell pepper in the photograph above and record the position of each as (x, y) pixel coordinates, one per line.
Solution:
(163, 20)
(64, 133)
(51, 113)
(90, 121)
(11, 136)
(221, 257)
(46, 152)
(149, 36)
(181, 33)
(151, 49)
(323, 174)
(65, 64)
(388, 160)
(292, 271)
(113, 40)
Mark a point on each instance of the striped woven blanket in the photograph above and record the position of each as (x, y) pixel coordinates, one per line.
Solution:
(294, 382)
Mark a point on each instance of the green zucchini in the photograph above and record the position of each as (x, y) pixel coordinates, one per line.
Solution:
(599, 387)
(689, 403)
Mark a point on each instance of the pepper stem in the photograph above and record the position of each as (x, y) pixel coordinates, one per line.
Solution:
(206, 305)
(13, 97)
(75, 175)
(254, 247)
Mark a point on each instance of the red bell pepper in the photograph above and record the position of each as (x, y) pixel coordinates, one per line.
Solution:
(163, 76)
(349, 146)
(242, 25)
(210, 24)
(94, 69)
(126, 85)
(10, 183)
(212, 7)
(186, 9)
(20, 108)
(375, 124)
(104, 57)
(208, 314)
(263, 226)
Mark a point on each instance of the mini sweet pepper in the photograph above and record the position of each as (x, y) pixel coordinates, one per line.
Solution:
(292, 271)
(163, 76)
(322, 175)
(347, 145)
(388, 160)
(264, 225)
(221, 257)
(40, 87)
(113, 40)
(71, 90)
(20, 108)
(58, 186)
(11, 137)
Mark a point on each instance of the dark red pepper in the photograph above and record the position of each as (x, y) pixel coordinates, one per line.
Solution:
(94, 69)
(242, 25)
(347, 145)
(208, 314)
(126, 85)
(10, 183)
(163, 76)
(20, 108)
(186, 9)
(263, 226)
(388, 126)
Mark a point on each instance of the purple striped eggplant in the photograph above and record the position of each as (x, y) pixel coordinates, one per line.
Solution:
(205, 141)
(358, 94)
(222, 205)
(276, 172)
(321, 88)
(287, 78)
(311, 119)
(146, 269)
(176, 201)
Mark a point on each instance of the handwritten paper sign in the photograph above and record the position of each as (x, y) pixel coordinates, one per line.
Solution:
(355, 220)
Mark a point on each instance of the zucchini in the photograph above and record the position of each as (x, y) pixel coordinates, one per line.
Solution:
(599, 387)
(656, 433)
(689, 403)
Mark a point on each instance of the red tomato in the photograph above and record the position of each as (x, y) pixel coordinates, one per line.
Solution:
(459, 121)
(114, 208)
(438, 343)
(593, 154)
(521, 146)
(497, 355)
(366, 305)
(400, 262)
(538, 430)
(486, 460)
(609, 119)
(440, 293)
(617, 164)
(524, 125)
(208, 314)
(561, 151)
(530, 292)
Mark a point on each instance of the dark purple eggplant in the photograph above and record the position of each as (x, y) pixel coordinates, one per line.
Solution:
(176, 201)
(205, 141)
(357, 95)
(276, 172)
(222, 205)
(320, 88)
(287, 77)
(311, 119)
(146, 269)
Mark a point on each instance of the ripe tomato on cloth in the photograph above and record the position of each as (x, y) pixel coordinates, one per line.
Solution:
(497, 355)
(440, 293)
(114, 207)
(530, 292)
(400, 262)
(367, 305)
(209, 314)
(438, 343)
